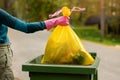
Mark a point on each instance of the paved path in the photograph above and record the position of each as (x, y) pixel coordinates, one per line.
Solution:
(28, 46)
(109, 68)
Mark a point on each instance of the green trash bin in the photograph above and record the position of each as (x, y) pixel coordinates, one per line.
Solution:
(39, 71)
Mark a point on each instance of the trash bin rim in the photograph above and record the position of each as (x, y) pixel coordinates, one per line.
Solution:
(60, 68)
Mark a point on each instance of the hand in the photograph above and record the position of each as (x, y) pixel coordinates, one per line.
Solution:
(63, 21)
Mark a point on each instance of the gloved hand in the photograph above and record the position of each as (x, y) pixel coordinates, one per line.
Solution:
(63, 21)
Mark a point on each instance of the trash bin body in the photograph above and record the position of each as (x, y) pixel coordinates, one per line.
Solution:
(39, 71)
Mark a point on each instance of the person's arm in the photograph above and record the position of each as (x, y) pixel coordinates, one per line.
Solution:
(15, 23)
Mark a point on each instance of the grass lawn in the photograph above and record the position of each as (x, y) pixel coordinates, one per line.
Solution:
(93, 34)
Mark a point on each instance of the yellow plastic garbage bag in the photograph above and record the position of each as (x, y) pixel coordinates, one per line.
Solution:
(65, 47)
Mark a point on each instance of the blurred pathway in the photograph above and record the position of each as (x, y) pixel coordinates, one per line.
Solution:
(109, 68)
(29, 46)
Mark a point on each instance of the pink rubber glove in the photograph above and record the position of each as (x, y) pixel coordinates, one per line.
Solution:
(63, 21)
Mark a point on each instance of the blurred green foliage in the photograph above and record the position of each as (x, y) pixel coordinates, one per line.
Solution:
(32, 10)
(115, 25)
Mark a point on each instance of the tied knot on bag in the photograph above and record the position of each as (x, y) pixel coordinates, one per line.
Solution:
(66, 11)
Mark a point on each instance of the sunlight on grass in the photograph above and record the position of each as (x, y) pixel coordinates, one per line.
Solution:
(93, 34)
